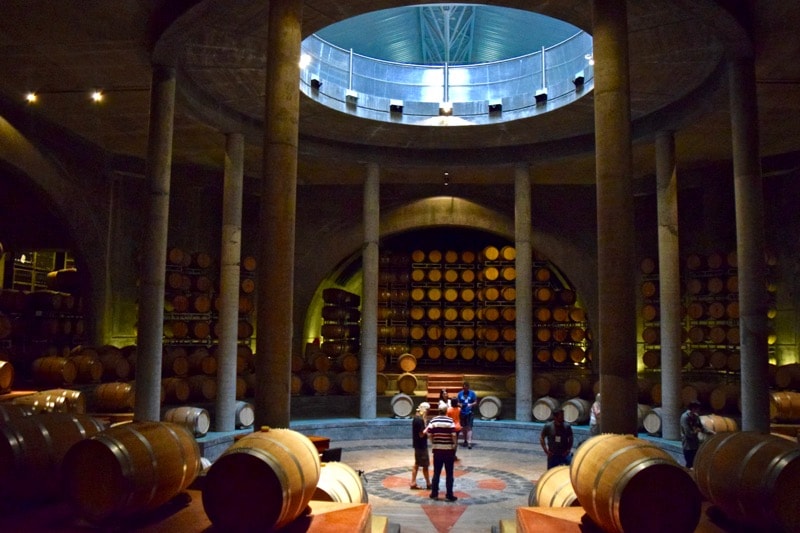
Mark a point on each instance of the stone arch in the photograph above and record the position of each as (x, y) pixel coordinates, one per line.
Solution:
(578, 264)
(70, 203)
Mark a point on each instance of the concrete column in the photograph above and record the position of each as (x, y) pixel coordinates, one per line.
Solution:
(524, 302)
(749, 199)
(230, 273)
(669, 285)
(616, 339)
(274, 329)
(369, 302)
(152, 275)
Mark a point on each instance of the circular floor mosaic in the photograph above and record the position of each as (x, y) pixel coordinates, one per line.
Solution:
(473, 485)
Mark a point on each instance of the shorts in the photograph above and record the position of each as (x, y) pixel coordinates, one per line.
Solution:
(422, 457)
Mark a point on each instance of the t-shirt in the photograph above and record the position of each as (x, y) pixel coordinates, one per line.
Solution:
(690, 426)
(465, 399)
(419, 440)
(453, 412)
(441, 429)
(559, 438)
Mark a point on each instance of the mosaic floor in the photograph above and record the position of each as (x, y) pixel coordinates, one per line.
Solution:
(491, 481)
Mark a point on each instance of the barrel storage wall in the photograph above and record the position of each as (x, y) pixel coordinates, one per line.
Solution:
(711, 341)
(330, 365)
(41, 311)
(458, 309)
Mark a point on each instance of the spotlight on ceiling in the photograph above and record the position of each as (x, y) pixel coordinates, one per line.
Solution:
(97, 96)
(541, 96)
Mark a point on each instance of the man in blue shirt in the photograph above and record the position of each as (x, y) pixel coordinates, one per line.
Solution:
(467, 399)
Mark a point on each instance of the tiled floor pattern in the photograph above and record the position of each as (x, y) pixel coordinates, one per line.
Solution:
(491, 481)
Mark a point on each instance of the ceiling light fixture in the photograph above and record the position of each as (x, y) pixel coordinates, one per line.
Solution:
(97, 96)
(30, 97)
(446, 179)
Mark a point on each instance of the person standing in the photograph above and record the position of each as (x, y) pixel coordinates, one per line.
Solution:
(442, 431)
(556, 440)
(444, 400)
(594, 416)
(691, 428)
(455, 413)
(467, 399)
(419, 440)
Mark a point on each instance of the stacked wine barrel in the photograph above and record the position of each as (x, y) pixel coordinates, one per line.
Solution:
(711, 312)
(332, 367)
(189, 295)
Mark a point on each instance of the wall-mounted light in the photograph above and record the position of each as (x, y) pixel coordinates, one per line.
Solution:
(495, 107)
(396, 106)
(351, 97)
(578, 80)
(541, 96)
(445, 109)
(315, 83)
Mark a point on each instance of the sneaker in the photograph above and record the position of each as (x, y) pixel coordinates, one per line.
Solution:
(434, 496)
(451, 498)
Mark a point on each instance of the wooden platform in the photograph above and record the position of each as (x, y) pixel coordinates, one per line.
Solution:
(575, 520)
(185, 514)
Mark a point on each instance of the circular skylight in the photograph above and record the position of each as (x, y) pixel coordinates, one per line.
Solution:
(447, 65)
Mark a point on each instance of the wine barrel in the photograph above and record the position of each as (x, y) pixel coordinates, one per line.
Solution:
(195, 419)
(784, 406)
(718, 424)
(175, 389)
(407, 383)
(554, 489)
(340, 297)
(347, 382)
(543, 384)
(490, 407)
(407, 362)
(544, 407)
(6, 376)
(339, 482)
(11, 411)
(613, 477)
(725, 397)
(32, 449)
(576, 410)
(54, 371)
(140, 466)
(244, 414)
(54, 401)
(319, 382)
(752, 478)
(652, 422)
(788, 376)
(113, 397)
(402, 405)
